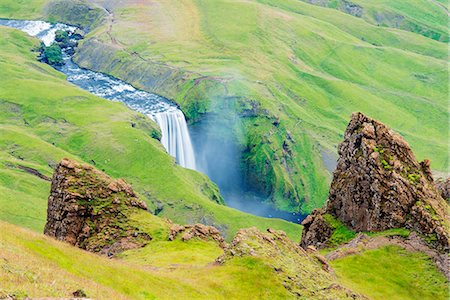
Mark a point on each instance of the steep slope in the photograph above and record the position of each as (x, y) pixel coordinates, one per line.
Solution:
(420, 16)
(312, 63)
(36, 266)
(43, 119)
(378, 185)
(90, 210)
(60, 269)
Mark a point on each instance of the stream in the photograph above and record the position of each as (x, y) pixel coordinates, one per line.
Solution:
(175, 132)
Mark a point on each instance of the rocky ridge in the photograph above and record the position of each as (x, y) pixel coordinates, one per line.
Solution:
(378, 184)
(88, 209)
(199, 231)
(303, 275)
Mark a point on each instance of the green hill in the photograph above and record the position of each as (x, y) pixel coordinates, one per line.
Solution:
(32, 265)
(291, 70)
(43, 118)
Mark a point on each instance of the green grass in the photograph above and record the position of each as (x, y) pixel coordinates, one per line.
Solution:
(341, 234)
(419, 16)
(43, 118)
(307, 66)
(36, 266)
(402, 232)
(22, 9)
(392, 273)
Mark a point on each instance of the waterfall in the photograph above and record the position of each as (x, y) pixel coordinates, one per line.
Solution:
(175, 137)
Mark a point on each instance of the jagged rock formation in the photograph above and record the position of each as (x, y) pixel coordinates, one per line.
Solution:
(377, 185)
(302, 275)
(200, 231)
(88, 209)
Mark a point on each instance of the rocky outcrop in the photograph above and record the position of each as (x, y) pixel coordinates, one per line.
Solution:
(304, 276)
(316, 230)
(378, 185)
(88, 209)
(199, 231)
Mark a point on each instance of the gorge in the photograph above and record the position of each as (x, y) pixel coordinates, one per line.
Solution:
(220, 155)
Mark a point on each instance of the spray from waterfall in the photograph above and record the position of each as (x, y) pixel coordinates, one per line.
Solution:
(175, 137)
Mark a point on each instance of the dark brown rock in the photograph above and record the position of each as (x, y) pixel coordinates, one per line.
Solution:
(200, 231)
(316, 231)
(378, 185)
(88, 209)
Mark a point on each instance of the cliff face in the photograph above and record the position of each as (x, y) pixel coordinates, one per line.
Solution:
(88, 209)
(378, 185)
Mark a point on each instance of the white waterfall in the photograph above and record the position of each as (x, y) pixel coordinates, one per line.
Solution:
(175, 137)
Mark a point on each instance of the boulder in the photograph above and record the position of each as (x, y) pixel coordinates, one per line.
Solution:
(199, 231)
(88, 209)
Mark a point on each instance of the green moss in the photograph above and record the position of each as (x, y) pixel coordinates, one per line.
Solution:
(386, 165)
(341, 234)
(414, 178)
(61, 36)
(431, 238)
(402, 232)
(53, 54)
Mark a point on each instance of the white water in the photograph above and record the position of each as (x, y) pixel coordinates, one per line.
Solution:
(175, 137)
(175, 134)
(40, 29)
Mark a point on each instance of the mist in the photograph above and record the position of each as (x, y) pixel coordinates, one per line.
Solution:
(218, 154)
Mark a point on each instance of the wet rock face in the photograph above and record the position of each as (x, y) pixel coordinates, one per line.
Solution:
(378, 184)
(88, 209)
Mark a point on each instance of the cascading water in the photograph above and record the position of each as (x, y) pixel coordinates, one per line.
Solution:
(175, 135)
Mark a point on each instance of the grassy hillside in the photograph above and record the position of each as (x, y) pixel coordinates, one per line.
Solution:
(36, 266)
(43, 118)
(402, 274)
(33, 265)
(427, 18)
(293, 72)
(297, 71)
